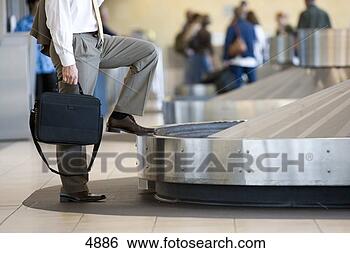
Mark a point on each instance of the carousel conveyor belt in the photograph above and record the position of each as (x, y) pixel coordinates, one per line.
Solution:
(322, 115)
(254, 100)
(293, 83)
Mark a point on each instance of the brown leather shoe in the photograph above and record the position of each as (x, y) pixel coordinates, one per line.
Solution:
(128, 125)
(81, 197)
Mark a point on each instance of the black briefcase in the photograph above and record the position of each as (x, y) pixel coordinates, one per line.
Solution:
(67, 119)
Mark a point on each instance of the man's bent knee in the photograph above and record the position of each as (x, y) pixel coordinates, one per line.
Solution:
(152, 49)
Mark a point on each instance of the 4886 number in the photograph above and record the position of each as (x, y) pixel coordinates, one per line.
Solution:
(102, 242)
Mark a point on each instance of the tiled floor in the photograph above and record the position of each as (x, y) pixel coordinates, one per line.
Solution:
(21, 174)
(171, 225)
(276, 226)
(109, 224)
(4, 145)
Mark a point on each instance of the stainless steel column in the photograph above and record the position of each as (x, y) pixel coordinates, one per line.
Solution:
(16, 85)
(2, 17)
(324, 48)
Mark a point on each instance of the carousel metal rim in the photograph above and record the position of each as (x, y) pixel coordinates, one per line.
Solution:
(321, 171)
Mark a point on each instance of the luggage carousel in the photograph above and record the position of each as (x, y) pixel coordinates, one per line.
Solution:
(295, 156)
(292, 156)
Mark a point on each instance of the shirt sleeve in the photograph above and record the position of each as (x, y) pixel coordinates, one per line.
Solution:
(60, 25)
(328, 21)
(100, 2)
(24, 25)
(19, 27)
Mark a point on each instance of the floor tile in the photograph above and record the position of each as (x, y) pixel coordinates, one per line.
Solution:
(27, 220)
(5, 145)
(5, 211)
(193, 225)
(15, 194)
(114, 224)
(275, 226)
(334, 226)
(13, 155)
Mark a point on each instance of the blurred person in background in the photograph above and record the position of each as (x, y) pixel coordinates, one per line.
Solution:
(261, 39)
(244, 63)
(245, 8)
(182, 38)
(283, 26)
(193, 28)
(46, 80)
(182, 43)
(189, 18)
(200, 63)
(314, 17)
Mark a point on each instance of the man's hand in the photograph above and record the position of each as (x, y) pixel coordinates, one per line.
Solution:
(70, 74)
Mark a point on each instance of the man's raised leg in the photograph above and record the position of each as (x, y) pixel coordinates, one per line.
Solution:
(142, 58)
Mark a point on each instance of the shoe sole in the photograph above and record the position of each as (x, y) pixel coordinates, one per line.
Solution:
(67, 200)
(119, 130)
(70, 200)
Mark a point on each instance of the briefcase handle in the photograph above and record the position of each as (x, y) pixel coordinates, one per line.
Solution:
(38, 147)
(80, 89)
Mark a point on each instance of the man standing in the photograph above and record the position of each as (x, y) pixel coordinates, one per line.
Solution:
(45, 71)
(72, 33)
(314, 17)
(283, 26)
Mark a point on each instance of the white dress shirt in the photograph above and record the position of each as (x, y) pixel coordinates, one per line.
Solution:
(260, 49)
(66, 17)
(245, 62)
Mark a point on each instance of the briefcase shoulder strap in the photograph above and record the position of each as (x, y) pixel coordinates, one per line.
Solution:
(39, 149)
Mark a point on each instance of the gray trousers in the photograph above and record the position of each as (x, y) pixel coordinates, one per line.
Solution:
(140, 56)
